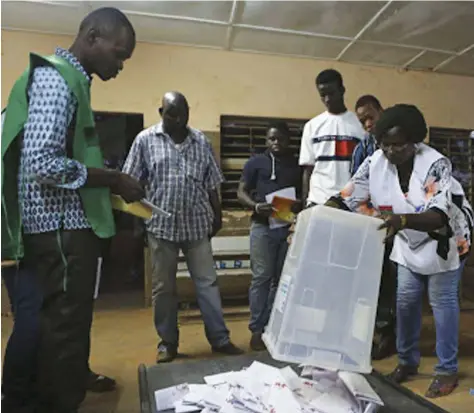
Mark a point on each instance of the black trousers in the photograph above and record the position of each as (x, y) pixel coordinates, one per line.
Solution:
(66, 266)
(386, 309)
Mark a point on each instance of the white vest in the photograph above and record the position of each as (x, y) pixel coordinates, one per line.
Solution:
(413, 249)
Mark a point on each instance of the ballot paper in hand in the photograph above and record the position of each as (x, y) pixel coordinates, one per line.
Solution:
(286, 193)
(142, 209)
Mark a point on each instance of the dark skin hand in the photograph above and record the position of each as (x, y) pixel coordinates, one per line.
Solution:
(119, 183)
(425, 222)
(216, 207)
(307, 172)
(264, 209)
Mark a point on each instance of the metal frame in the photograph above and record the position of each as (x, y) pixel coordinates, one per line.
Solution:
(230, 23)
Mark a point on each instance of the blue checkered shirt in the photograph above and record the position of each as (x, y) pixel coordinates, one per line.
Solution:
(178, 180)
(363, 150)
(48, 180)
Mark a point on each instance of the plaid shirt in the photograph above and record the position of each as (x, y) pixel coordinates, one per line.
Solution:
(363, 150)
(178, 179)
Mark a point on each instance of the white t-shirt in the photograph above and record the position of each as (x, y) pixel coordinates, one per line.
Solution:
(327, 143)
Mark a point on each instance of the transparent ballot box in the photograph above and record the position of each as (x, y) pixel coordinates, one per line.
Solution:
(325, 306)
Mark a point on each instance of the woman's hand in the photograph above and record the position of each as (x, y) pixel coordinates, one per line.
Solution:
(393, 223)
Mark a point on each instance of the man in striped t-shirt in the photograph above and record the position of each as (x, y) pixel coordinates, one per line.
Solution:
(328, 142)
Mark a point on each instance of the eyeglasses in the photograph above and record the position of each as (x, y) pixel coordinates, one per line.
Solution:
(393, 146)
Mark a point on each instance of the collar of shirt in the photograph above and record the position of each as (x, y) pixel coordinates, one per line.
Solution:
(67, 55)
(160, 132)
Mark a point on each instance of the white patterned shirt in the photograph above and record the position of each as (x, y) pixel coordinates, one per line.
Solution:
(178, 180)
(48, 180)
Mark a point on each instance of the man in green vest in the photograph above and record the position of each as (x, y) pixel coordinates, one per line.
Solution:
(56, 197)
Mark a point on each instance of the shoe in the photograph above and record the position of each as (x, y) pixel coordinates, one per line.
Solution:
(97, 383)
(442, 386)
(166, 354)
(256, 342)
(230, 349)
(384, 346)
(402, 373)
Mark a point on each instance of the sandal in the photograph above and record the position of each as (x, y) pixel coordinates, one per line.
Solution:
(442, 386)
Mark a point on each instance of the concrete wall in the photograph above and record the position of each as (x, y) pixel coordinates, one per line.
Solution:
(220, 82)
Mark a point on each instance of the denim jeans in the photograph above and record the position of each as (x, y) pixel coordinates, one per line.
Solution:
(20, 360)
(200, 262)
(443, 295)
(268, 249)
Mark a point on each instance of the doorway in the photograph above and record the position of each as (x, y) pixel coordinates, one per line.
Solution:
(122, 269)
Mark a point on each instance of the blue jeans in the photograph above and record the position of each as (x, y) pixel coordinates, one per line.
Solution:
(200, 262)
(20, 360)
(443, 295)
(268, 249)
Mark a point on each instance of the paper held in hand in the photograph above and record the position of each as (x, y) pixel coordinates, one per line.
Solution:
(281, 201)
(142, 209)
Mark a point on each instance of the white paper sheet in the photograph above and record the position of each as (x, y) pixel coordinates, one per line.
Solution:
(289, 193)
(262, 388)
(166, 398)
(360, 387)
(155, 209)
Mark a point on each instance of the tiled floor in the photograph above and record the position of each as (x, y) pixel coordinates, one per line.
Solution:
(124, 338)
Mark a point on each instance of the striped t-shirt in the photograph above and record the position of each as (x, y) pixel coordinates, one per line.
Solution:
(327, 144)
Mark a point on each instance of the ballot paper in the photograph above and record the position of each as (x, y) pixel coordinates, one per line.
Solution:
(166, 398)
(289, 193)
(261, 388)
(156, 210)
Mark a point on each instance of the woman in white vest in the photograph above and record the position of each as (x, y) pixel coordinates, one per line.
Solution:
(409, 184)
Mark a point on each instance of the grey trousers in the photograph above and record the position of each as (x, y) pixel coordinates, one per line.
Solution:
(200, 262)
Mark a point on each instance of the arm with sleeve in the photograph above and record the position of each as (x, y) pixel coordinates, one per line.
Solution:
(135, 165)
(45, 132)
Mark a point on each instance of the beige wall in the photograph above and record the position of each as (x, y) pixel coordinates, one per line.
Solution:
(219, 82)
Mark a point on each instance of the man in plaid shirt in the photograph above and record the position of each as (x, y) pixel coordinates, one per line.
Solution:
(181, 176)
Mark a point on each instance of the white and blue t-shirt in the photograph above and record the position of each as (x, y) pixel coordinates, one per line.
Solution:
(327, 144)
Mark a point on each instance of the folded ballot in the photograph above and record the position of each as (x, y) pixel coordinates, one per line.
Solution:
(261, 388)
(142, 209)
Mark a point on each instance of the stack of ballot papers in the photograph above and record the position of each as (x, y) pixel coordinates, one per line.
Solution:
(261, 388)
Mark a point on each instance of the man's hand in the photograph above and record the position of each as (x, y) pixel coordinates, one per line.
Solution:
(128, 188)
(216, 227)
(297, 207)
(393, 223)
(264, 209)
(291, 231)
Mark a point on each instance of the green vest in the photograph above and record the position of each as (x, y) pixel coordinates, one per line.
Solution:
(95, 201)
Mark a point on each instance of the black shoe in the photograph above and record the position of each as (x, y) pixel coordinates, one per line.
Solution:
(97, 383)
(256, 342)
(166, 354)
(230, 349)
(384, 346)
(402, 373)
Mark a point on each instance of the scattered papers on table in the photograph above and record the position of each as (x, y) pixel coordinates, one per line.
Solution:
(261, 388)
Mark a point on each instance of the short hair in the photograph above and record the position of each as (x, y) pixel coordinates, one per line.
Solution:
(280, 126)
(407, 117)
(329, 76)
(107, 20)
(368, 100)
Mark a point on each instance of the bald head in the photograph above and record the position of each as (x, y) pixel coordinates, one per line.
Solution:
(175, 112)
(106, 39)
